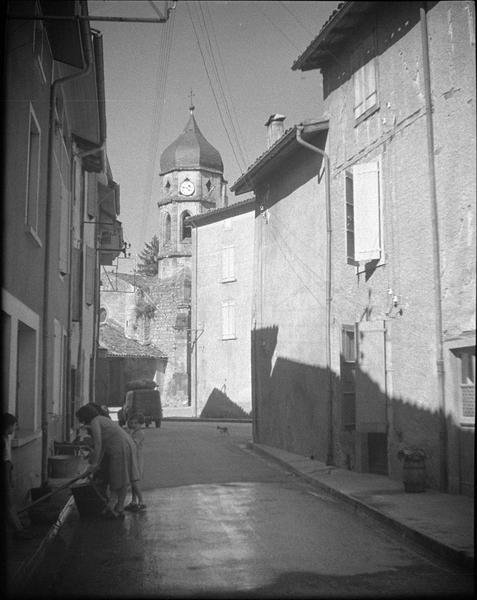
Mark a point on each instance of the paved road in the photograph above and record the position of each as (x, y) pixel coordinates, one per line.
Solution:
(223, 522)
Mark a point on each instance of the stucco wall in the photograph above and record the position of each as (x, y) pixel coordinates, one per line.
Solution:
(289, 359)
(222, 373)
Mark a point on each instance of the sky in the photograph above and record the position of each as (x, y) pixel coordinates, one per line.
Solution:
(235, 56)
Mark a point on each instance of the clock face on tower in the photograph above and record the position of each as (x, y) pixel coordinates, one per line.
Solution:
(187, 188)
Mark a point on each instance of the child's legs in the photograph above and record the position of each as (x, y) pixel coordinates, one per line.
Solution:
(121, 495)
(136, 492)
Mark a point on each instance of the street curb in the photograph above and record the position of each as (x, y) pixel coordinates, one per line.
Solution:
(211, 420)
(458, 557)
(26, 571)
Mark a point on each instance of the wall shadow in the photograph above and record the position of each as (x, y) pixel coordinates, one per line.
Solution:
(220, 406)
(291, 405)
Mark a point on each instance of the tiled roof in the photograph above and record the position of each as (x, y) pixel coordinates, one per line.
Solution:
(116, 344)
(141, 281)
(344, 19)
(222, 213)
(245, 182)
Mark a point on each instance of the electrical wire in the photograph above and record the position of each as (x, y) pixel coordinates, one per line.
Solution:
(223, 77)
(164, 52)
(299, 21)
(211, 84)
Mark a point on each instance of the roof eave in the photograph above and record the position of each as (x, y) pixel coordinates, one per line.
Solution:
(318, 51)
(247, 182)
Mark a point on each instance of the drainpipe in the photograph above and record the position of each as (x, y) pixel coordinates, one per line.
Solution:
(325, 157)
(48, 234)
(436, 251)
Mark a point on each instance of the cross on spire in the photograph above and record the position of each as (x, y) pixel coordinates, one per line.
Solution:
(191, 107)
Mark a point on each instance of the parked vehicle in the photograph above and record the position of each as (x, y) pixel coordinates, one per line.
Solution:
(144, 401)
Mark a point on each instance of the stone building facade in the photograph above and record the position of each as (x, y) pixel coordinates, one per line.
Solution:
(369, 347)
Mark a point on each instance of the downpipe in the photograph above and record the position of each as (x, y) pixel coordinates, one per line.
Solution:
(436, 252)
(46, 330)
(326, 159)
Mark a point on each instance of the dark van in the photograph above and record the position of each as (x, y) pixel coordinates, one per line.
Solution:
(144, 401)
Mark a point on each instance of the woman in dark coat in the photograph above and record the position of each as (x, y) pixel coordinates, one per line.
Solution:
(117, 447)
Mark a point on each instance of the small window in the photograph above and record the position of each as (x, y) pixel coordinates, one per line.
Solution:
(103, 315)
(348, 377)
(167, 185)
(349, 344)
(364, 77)
(33, 176)
(167, 227)
(186, 230)
(228, 264)
(228, 320)
(466, 380)
(349, 217)
(208, 185)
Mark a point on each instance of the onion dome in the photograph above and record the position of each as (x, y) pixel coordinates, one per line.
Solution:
(191, 151)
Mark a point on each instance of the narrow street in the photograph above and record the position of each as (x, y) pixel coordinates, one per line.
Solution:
(223, 522)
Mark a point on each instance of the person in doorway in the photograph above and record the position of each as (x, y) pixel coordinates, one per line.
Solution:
(113, 444)
(135, 423)
(9, 424)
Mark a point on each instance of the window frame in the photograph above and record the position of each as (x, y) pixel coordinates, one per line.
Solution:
(361, 70)
(458, 353)
(229, 330)
(186, 214)
(32, 192)
(228, 264)
(348, 366)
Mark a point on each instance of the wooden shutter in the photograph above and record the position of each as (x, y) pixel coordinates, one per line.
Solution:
(76, 284)
(64, 237)
(228, 319)
(367, 230)
(90, 275)
(92, 195)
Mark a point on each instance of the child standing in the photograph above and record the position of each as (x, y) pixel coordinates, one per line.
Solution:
(135, 431)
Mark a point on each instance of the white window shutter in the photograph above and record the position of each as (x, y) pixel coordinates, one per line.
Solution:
(228, 319)
(367, 234)
(64, 230)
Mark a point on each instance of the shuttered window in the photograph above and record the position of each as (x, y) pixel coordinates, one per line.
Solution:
(364, 78)
(92, 198)
(366, 212)
(64, 237)
(466, 378)
(228, 260)
(33, 180)
(228, 320)
(90, 275)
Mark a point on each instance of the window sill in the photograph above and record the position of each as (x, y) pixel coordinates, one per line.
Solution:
(24, 437)
(228, 279)
(229, 337)
(365, 115)
(33, 234)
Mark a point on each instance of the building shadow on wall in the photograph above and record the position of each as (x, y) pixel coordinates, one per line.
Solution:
(291, 405)
(220, 406)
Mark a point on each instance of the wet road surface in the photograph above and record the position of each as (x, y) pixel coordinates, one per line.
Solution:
(223, 522)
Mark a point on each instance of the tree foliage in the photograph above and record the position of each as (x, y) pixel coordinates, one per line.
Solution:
(148, 257)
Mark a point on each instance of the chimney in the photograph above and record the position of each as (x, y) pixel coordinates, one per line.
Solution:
(274, 128)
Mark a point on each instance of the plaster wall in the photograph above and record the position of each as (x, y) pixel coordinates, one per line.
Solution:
(289, 359)
(223, 364)
(396, 135)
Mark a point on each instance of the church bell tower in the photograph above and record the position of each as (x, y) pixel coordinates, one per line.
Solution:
(192, 183)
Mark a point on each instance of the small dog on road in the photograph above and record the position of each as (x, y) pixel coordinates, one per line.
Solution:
(223, 429)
